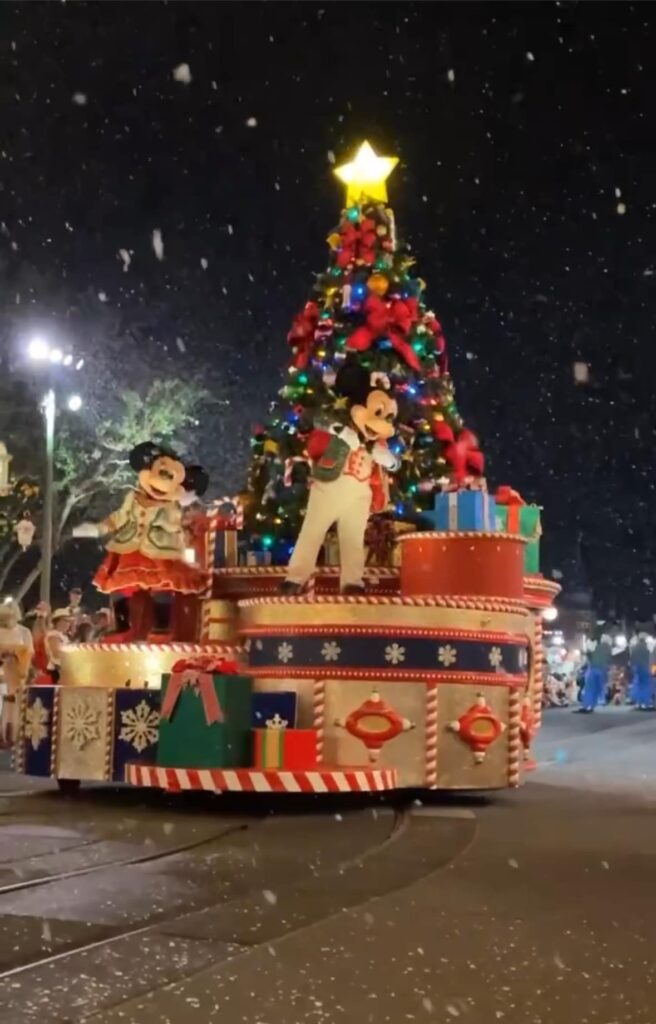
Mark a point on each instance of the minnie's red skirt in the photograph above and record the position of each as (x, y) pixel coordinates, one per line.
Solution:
(135, 571)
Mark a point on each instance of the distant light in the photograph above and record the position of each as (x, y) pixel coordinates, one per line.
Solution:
(8, 600)
(67, 360)
(620, 641)
(38, 350)
(79, 364)
(56, 355)
(74, 403)
(550, 614)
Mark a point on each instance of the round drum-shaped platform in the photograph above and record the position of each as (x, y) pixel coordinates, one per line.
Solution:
(487, 565)
(357, 638)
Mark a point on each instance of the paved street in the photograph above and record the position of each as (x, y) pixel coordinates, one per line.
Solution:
(531, 907)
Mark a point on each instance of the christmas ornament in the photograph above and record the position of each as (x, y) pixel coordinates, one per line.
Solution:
(478, 728)
(365, 176)
(378, 284)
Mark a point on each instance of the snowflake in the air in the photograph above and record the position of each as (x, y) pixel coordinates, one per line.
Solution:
(331, 651)
(81, 724)
(496, 657)
(140, 726)
(36, 723)
(447, 655)
(285, 652)
(394, 653)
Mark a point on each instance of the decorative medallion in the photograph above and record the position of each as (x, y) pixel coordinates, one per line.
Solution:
(285, 652)
(331, 651)
(35, 725)
(447, 655)
(140, 726)
(81, 724)
(375, 723)
(395, 654)
(478, 728)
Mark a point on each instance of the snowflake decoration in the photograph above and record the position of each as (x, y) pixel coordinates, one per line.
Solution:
(140, 726)
(36, 723)
(394, 653)
(447, 655)
(496, 657)
(331, 651)
(523, 657)
(81, 724)
(285, 652)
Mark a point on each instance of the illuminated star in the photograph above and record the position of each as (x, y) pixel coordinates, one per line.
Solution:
(365, 176)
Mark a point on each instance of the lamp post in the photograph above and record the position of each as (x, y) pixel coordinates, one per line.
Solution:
(40, 351)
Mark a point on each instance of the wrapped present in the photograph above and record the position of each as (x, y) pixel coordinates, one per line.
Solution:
(461, 511)
(331, 550)
(258, 558)
(205, 715)
(513, 515)
(266, 706)
(228, 548)
(280, 747)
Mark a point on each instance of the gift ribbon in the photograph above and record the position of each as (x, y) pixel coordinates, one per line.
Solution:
(200, 681)
(301, 334)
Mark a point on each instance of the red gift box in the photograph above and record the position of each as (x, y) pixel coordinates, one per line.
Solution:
(291, 749)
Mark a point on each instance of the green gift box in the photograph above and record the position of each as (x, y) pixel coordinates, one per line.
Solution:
(205, 719)
(525, 520)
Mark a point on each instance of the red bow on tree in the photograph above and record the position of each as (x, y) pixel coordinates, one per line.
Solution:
(357, 242)
(507, 496)
(462, 452)
(390, 319)
(435, 328)
(301, 335)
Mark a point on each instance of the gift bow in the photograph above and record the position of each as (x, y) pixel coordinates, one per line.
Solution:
(462, 452)
(301, 334)
(197, 673)
(435, 327)
(356, 242)
(507, 496)
(391, 319)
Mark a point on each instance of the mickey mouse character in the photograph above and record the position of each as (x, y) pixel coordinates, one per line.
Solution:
(349, 479)
(145, 552)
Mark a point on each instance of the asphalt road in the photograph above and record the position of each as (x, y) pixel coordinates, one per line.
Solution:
(531, 907)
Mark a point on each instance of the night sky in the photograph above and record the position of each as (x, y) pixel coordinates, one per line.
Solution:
(525, 190)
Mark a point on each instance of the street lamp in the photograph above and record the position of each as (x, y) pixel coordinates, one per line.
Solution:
(40, 351)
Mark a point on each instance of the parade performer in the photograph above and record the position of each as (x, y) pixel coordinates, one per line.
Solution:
(145, 552)
(596, 676)
(16, 650)
(642, 687)
(349, 479)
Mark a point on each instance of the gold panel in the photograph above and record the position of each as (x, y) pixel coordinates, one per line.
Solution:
(134, 664)
(84, 734)
(221, 619)
(406, 752)
(385, 615)
(456, 767)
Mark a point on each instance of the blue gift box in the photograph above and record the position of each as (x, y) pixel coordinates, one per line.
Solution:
(459, 511)
(136, 729)
(266, 706)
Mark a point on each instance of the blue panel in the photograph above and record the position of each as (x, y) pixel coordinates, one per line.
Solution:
(37, 730)
(136, 729)
(388, 652)
(267, 705)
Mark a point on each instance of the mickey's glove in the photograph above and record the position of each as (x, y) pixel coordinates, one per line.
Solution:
(348, 435)
(86, 530)
(385, 458)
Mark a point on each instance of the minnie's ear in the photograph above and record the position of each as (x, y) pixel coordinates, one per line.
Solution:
(196, 480)
(352, 381)
(143, 455)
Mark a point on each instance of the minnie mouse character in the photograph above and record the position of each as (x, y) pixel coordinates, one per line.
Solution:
(349, 479)
(145, 552)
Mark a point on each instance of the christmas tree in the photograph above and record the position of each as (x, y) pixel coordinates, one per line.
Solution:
(367, 303)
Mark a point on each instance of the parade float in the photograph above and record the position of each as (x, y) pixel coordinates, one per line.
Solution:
(400, 647)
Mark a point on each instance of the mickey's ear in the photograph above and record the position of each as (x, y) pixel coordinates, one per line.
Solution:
(196, 480)
(143, 455)
(352, 381)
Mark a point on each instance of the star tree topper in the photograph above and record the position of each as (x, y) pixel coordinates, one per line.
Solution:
(366, 175)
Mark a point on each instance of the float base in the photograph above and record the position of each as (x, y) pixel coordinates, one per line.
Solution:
(252, 780)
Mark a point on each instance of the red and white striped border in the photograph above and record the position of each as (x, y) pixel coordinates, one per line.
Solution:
(253, 780)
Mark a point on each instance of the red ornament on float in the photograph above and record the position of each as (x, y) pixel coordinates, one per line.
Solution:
(478, 728)
(375, 723)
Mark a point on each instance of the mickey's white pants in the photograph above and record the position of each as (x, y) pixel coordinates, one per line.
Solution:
(346, 502)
